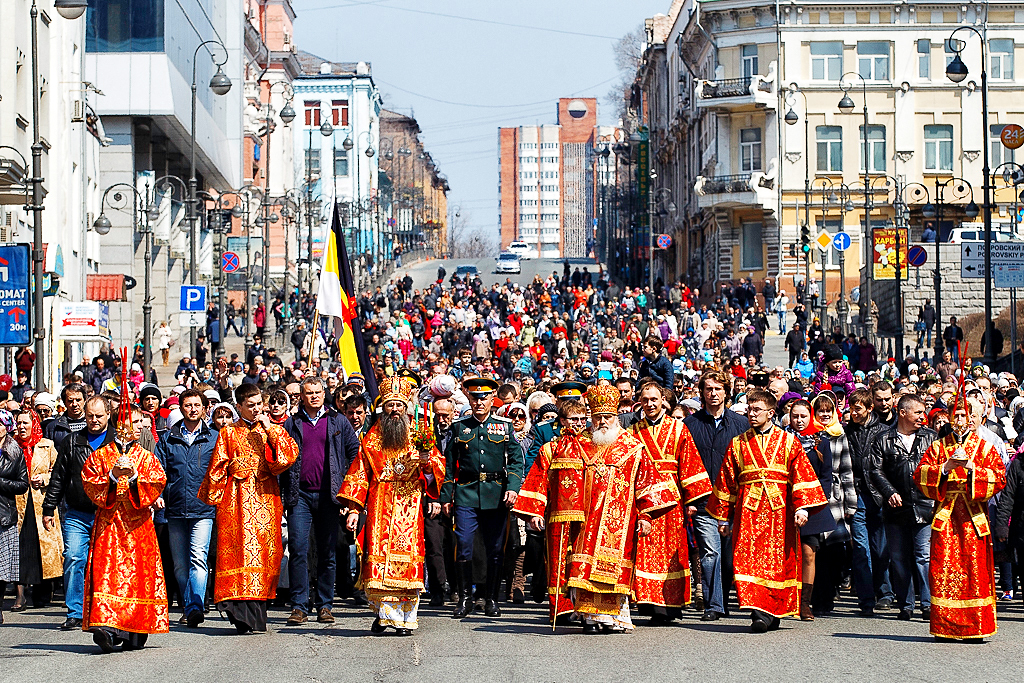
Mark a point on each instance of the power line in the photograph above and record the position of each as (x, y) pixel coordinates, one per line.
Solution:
(473, 19)
(486, 106)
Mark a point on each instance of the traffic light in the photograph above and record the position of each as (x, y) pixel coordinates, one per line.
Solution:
(805, 238)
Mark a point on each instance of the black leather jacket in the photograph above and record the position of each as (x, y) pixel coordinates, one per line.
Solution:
(892, 471)
(66, 477)
(13, 481)
(860, 438)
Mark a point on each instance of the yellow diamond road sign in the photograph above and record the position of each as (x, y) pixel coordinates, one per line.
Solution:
(824, 240)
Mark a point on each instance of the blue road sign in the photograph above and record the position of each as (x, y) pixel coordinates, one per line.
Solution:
(229, 262)
(193, 298)
(841, 241)
(15, 268)
(664, 241)
(917, 256)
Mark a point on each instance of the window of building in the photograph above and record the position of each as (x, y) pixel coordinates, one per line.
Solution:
(749, 56)
(549, 145)
(938, 148)
(876, 148)
(339, 113)
(550, 174)
(549, 216)
(873, 60)
(528, 188)
(549, 202)
(527, 202)
(827, 61)
(1000, 154)
(924, 58)
(751, 246)
(312, 112)
(313, 161)
(750, 149)
(125, 26)
(830, 148)
(1000, 52)
(340, 162)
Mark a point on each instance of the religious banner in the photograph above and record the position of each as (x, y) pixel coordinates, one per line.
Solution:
(884, 255)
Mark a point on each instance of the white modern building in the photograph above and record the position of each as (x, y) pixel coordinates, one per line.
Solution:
(142, 54)
(339, 108)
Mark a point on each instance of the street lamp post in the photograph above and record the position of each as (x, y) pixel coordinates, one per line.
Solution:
(791, 118)
(961, 189)
(287, 115)
(220, 84)
(846, 106)
(102, 226)
(957, 71)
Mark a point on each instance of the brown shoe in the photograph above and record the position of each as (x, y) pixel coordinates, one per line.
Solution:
(325, 616)
(297, 617)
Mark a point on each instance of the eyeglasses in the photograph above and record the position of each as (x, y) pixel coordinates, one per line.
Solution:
(581, 418)
(517, 415)
(278, 402)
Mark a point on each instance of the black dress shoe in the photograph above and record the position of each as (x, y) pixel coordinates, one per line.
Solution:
(590, 629)
(710, 615)
(437, 599)
(103, 638)
(867, 612)
(19, 608)
(518, 597)
(758, 626)
(883, 603)
(491, 608)
(904, 615)
(377, 627)
(403, 631)
(71, 624)
(194, 618)
(774, 624)
(926, 614)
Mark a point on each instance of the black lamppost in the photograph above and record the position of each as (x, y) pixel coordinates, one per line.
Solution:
(961, 189)
(287, 115)
(791, 119)
(846, 106)
(957, 71)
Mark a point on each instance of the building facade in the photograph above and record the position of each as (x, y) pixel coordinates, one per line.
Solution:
(732, 76)
(546, 182)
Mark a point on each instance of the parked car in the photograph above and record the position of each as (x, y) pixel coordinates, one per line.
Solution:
(522, 250)
(466, 271)
(961, 235)
(507, 262)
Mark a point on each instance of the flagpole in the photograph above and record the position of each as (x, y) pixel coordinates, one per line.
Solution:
(312, 336)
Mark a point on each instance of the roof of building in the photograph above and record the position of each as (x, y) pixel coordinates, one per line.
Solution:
(105, 287)
(311, 66)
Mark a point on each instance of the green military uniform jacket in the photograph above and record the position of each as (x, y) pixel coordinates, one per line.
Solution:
(540, 434)
(482, 462)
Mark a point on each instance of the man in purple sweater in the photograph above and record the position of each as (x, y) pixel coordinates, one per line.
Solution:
(327, 446)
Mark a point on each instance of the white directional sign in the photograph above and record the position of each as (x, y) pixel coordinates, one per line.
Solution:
(192, 319)
(1007, 262)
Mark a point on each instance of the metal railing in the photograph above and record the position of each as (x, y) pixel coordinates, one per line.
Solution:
(726, 87)
(727, 183)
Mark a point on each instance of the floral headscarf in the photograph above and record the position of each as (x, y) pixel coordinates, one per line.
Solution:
(7, 420)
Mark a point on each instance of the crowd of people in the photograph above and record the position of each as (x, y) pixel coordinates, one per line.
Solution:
(607, 451)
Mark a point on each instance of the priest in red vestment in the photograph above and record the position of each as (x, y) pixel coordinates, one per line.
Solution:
(609, 490)
(398, 462)
(962, 473)
(241, 482)
(662, 581)
(533, 504)
(125, 597)
(761, 497)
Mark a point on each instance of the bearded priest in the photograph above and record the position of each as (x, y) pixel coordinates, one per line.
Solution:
(609, 490)
(397, 464)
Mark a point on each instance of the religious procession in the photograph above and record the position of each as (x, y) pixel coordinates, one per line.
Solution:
(642, 478)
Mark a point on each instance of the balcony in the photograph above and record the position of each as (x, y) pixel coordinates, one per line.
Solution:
(731, 191)
(738, 94)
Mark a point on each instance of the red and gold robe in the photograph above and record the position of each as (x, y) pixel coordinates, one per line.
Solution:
(602, 492)
(533, 502)
(961, 573)
(124, 579)
(242, 483)
(764, 480)
(389, 485)
(663, 557)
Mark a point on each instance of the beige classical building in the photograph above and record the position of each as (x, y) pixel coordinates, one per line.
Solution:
(718, 83)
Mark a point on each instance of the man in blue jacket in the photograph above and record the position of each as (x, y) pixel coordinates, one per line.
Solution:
(327, 446)
(185, 450)
(655, 364)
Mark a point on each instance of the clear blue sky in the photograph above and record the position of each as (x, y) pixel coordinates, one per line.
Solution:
(488, 72)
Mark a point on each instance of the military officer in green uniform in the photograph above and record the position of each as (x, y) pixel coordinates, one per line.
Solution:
(483, 474)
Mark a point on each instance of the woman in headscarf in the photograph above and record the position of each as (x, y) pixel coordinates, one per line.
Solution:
(813, 438)
(222, 414)
(13, 482)
(41, 550)
(842, 501)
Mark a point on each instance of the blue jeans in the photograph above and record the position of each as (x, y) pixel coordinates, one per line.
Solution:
(77, 529)
(910, 549)
(323, 516)
(782, 321)
(715, 562)
(190, 544)
(870, 554)
(492, 525)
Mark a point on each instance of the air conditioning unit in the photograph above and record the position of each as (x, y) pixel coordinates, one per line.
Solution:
(78, 111)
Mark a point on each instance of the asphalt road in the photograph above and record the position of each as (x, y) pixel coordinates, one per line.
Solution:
(519, 646)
